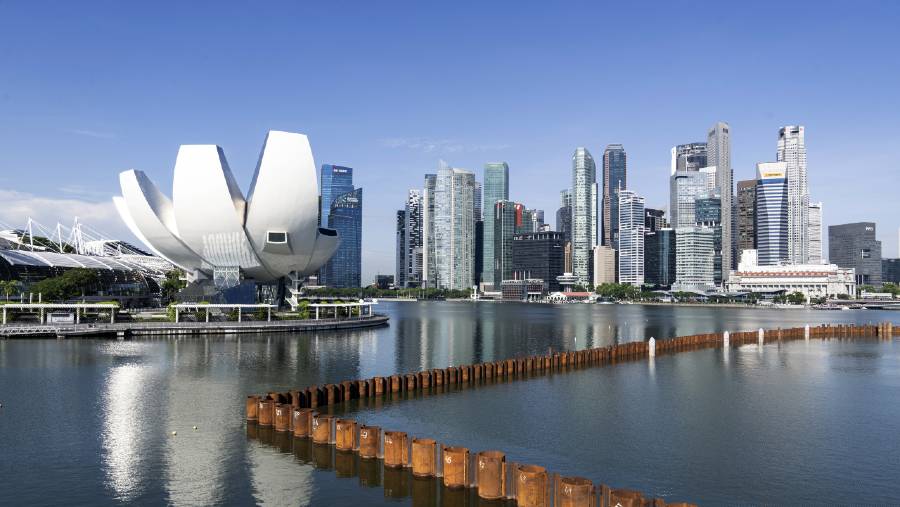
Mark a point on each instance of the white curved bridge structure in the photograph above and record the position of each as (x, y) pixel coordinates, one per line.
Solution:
(212, 231)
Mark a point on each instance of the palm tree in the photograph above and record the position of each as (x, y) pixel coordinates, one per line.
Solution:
(8, 287)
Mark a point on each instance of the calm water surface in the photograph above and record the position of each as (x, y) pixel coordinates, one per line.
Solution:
(89, 422)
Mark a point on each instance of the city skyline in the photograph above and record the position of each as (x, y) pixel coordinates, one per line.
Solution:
(99, 123)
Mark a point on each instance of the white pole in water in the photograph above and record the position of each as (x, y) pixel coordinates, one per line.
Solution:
(761, 337)
(806, 332)
(651, 347)
(725, 339)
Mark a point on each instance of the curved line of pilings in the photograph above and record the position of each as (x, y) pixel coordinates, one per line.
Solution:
(294, 413)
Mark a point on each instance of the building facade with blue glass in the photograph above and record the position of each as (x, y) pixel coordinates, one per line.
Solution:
(345, 216)
(771, 213)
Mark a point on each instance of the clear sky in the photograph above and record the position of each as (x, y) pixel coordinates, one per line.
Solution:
(88, 89)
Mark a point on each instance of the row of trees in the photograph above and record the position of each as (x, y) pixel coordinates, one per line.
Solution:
(73, 283)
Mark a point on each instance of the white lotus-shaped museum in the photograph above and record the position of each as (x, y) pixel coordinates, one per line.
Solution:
(211, 231)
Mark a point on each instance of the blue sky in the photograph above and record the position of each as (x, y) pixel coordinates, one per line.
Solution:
(88, 89)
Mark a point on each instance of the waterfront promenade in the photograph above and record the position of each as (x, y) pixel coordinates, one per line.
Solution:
(124, 330)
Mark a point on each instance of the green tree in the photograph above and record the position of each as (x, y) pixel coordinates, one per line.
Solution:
(173, 283)
(796, 298)
(9, 287)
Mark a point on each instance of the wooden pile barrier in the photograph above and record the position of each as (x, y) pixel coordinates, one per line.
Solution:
(294, 412)
(429, 471)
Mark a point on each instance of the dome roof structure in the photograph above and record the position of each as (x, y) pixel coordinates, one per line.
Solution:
(209, 227)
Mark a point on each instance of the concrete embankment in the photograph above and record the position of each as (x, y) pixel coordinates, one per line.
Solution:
(302, 414)
(128, 329)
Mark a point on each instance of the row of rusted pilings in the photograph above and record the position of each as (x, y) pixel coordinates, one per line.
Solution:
(295, 411)
(421, 465)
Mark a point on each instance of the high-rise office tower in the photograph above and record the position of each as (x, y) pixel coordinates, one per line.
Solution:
(596, 214)
(454, 228)
(815, 233)
(615, 173)
(604, 265)
(689, 157)
(746, 216)
(890, 271)
(684, 189)
(854, 246)
(718, 147)
(659, 257)
(771, 213)
(654, 219)
(708, 213)
(477, 210)
(538, 215)
(631, 237)
(792, 151)
(400, 261)
(414, 240)
(504, 229)
(496, 188)
(539, 255)
(429, 264)
(584, 175)
(336, 180)
(694, 258)
(344, 269)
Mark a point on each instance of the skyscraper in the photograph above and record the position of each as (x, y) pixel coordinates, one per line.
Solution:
(718, 147)
(854, 246)
(771, 213)
(708, 213)
(429, 263)
(496, 188)
(604, 265)
(694, 253)
(454, 228)
(400, 262)
(684, 188)
(654, 219)
(336, 180)
(345, 216)
(689, 157)
(539, 255)
(746, 216)
(615, 173)
(815, 233)
(504, 229)
(584, 175)
(659, 257)
(414, 240)
(792, 151)
(631, 237)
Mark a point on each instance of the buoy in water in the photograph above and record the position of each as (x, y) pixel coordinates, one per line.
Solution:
(195, 427)
(174, 433)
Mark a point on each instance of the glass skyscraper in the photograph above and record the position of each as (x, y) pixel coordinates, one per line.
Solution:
(792, 151)
(615, 173)
(718, 148)
(584, 175)
(345, 216)
(496, 188)
(454, 228)
(771, 213)
(659, 257)
(689, 157)
(335, 180)
(631, 237)
(504, 227)
(708, 213)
